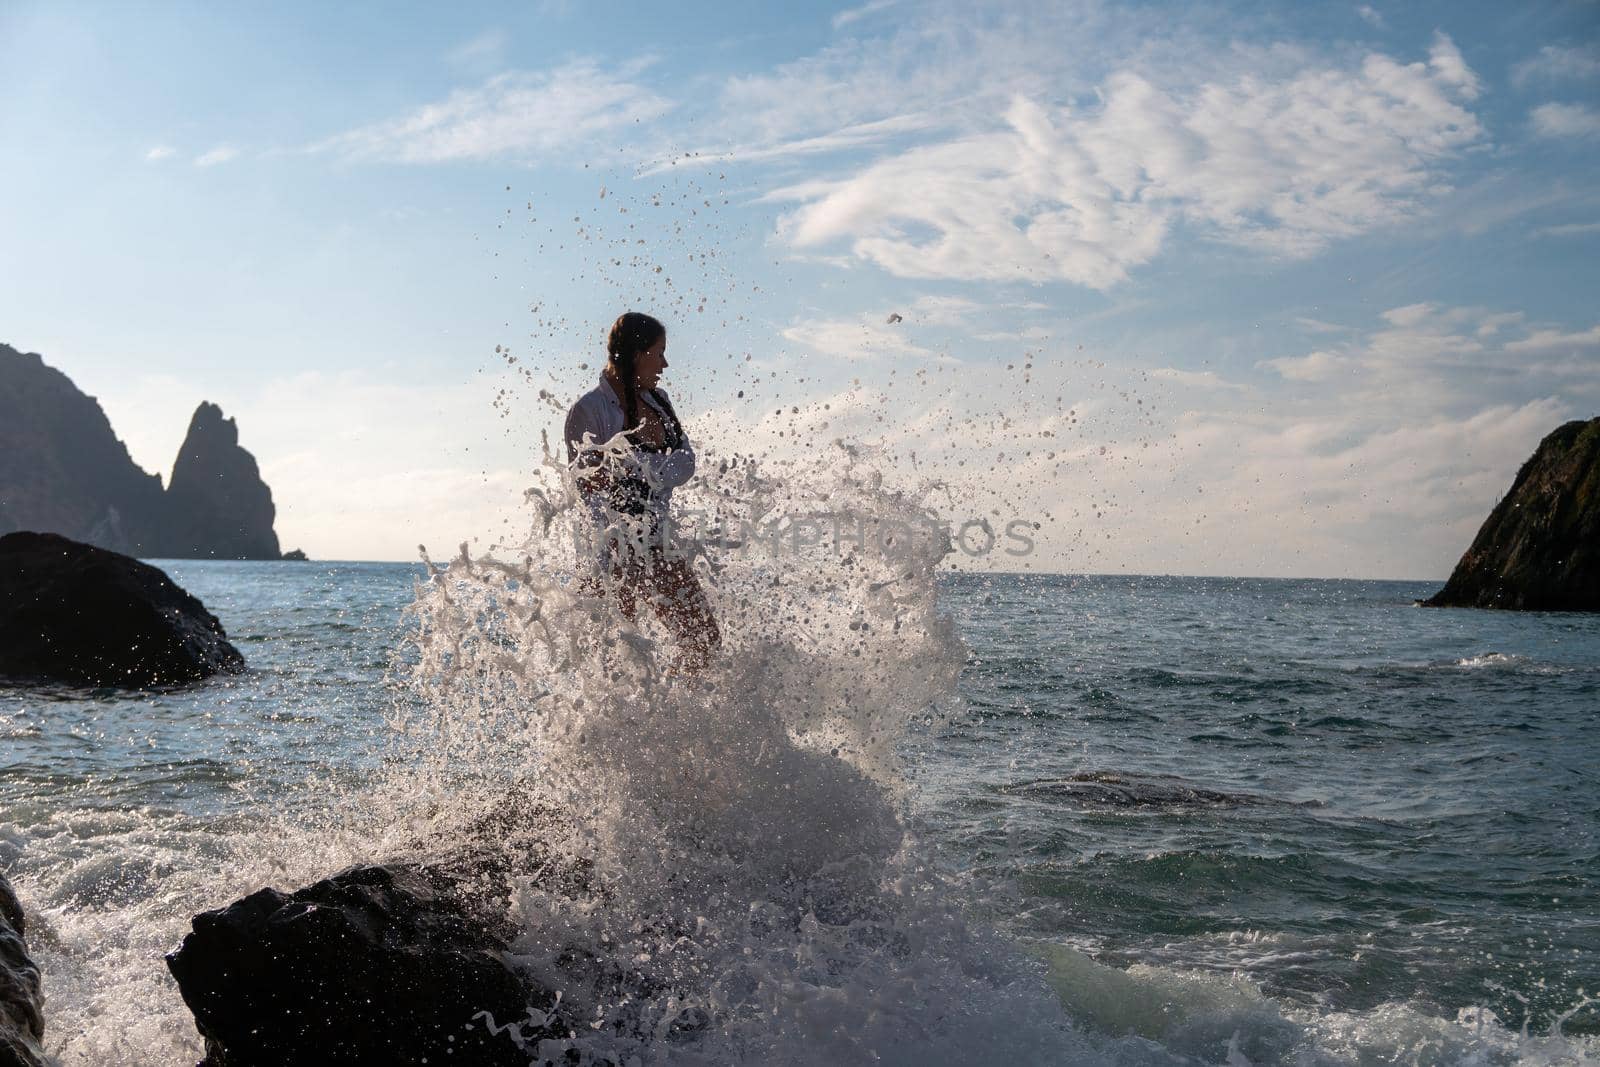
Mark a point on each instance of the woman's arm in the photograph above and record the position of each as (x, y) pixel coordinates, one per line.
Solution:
(672, 468)
(583, 436)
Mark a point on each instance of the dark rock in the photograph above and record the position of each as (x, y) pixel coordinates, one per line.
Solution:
(75, 613)
(296, 555)
(1112, 790)
(1539, 550)
(21, 998)
(218, 505)
(377, 965)
(63, 470)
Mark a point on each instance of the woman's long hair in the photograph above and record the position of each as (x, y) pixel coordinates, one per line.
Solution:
(632, 333)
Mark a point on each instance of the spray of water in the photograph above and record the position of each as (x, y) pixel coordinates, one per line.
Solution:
(754, 894)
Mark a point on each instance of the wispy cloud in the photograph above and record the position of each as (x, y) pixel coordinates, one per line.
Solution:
(159, 152)
(517, 115)
(1559, 341)
(1372, 17)
(223, 153)
(1570, 229)
(1318, 326)
(1557, 63)
(1566, 120)
(856, 14)
(488, 49)
(1283, 165)
(861, 135)
(938, 66)
(1385, 465)
(865, 337)
(1424, 354)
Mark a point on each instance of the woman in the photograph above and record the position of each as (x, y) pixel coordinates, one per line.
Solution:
(636, 480)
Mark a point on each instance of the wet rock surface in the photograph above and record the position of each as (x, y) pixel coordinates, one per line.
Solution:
(377, 965)
(1107, 789)
(21, 998)
(401, 962)
(1539, 549)
(70, 612)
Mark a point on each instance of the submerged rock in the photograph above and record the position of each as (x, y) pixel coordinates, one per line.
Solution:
(21, 999)
(71, 612)
(1539, 550)
(377, 965)
(1112, 790)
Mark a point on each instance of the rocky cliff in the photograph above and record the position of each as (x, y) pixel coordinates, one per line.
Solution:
(1539, 549)
(217, 503)
(63, 470)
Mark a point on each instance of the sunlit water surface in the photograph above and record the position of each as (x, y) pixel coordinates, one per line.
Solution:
(1221, 820)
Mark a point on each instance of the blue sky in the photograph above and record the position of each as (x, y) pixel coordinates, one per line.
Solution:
(1239, 289)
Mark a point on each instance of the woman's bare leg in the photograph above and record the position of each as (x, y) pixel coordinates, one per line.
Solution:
(680, 603)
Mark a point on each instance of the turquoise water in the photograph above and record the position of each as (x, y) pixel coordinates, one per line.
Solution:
(1311, 791)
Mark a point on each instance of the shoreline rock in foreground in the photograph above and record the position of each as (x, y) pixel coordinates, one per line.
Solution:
(376, 965)
(70, 612)
(21, 998)
(1539, 549)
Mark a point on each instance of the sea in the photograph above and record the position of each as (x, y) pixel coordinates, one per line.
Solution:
(1112, 819)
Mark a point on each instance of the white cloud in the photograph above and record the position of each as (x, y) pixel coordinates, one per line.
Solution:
(1383, 470)
(856, 136)
(856, 14)
(866, 337)
(932, 66)
(1489, 325)
(942, 310)
(1448, 359)
(485, 50)
(1566, 120)
(1447, 62)
(1409, 315)
(1371, 16)
(1280, 164)
(159, 152)
(1196, 380)
(1568, 229)
(223, 153)
(1318, 326)
(1557, 340)
(1557, 63)
(517, 115)
(1316, 367)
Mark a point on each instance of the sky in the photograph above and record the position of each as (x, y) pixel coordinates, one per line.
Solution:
(1240, 289)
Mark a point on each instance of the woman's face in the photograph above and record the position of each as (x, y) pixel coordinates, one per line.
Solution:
(649, 364)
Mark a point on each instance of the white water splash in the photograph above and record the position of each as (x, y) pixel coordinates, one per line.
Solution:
(756, 898)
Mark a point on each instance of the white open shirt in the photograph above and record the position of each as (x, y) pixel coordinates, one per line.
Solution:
(597, 418)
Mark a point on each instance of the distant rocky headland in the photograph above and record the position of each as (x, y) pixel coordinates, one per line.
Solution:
(63, 470)
(1539, 549)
